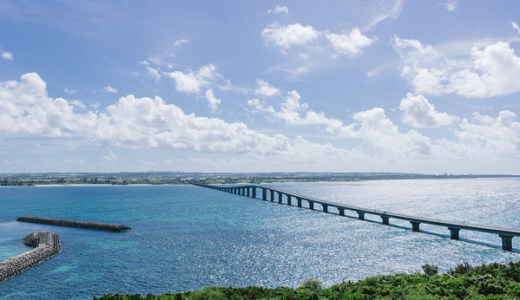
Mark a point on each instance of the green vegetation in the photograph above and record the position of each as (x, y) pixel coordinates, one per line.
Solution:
(124, 178)
(490, 282)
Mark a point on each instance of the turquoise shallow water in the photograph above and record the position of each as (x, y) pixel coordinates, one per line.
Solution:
(187, 237)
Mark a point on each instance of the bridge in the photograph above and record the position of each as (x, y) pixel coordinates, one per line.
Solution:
(250, 191)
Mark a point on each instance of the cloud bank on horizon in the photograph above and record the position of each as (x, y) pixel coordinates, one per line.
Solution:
(301, 86)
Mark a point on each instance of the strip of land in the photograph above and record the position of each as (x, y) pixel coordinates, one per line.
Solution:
(125, 178)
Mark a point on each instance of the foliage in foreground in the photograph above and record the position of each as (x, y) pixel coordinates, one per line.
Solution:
(491, 282)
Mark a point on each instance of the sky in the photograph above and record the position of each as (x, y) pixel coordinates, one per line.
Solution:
(260, 86)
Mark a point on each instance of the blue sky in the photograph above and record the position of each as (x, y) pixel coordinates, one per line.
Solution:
(260, 86)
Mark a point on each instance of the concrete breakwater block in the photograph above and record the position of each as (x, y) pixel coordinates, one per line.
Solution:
(47, 244)
(76, 224)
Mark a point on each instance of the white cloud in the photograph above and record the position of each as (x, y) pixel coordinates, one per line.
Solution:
(279, 9)
(376, 128)
(419, 113)
(494, 71)
(180, 42)
(389, 11)
(286, 36)
(70, 92)
(154, 73)
(192, 82)
(515, 26)
(265, 89)
(7, 55)
(486, 139)
(350, 44)
(304, 56)
(450, 5)
(78, 103)
(290, 111)
(111, 156)
(26, 109)
(213, 102)
(371, 125)
(109, 89)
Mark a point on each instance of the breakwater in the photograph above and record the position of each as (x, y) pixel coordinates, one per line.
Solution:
(505, 234)
(47, 244)
(76, 224)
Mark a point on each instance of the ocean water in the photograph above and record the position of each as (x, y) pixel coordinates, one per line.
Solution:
(186, 237)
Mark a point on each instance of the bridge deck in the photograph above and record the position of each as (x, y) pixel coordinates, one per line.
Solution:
(504, 233)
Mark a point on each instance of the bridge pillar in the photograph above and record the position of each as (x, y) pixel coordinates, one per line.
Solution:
(272, 195)
(325, 208)
(247, 188)
(507, 242)
(454, 233)
(299, 202)
(289, 200)
(385, 220)
(311, 205)
(415, 226)
(361, 215)
(264, 194)
(341, 211)
(280, 194)
(254, 192)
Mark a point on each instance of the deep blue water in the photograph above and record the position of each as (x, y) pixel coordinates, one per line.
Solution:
(187, 237)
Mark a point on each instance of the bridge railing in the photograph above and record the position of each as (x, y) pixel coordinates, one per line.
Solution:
(250, 191)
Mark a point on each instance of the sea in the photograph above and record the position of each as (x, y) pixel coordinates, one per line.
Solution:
(186, 237)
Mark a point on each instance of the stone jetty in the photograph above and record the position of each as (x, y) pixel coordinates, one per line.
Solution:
(76, 224)
(47, 244)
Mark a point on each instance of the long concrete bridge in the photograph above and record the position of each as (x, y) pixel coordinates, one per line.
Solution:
(268, 193)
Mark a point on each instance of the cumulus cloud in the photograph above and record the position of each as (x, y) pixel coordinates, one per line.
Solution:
(494, 70)
(265, 89)
(419, 113)
(380, 131)
(287, 36)
(109, 89)
(27, 110)
(180, 42)
(154, 73)
(70, 92)
(290, 112)
(111, 156)
(371, 125)
(213, 102)
(279, 9)
(388, 10)
(7, 55)
(486, 138)
(192, 82)
(515, 26)
(350, 44)
(450, 5)
(78, 104)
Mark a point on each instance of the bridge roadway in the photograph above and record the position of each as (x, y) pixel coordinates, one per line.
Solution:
(250, 191)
